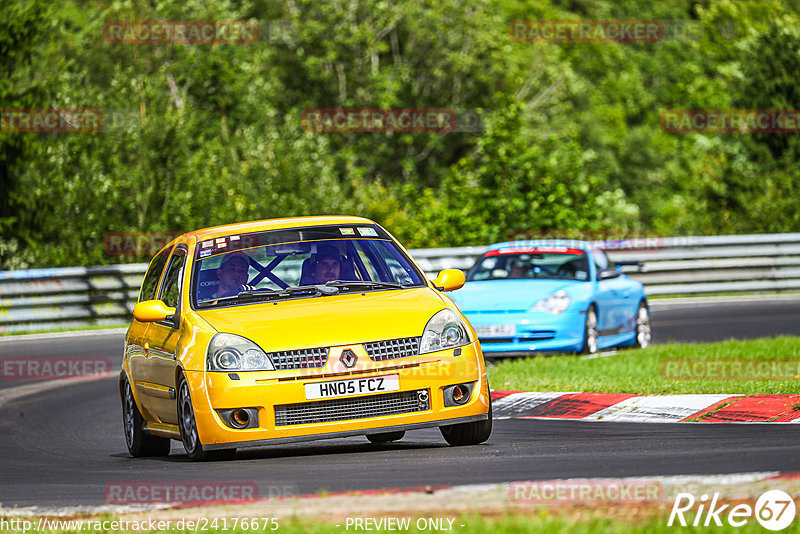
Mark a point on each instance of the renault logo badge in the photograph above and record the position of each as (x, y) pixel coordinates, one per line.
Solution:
(348, 358)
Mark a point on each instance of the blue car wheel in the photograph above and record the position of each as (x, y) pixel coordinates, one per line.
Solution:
(644, 330)
(590, 331)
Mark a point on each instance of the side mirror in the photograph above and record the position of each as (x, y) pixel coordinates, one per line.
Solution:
(450, 280)
(608, 274)
(152, 311)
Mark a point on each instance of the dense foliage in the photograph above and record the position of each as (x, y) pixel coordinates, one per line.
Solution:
(206, 134)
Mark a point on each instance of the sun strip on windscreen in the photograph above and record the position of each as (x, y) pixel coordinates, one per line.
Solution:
(223, 245)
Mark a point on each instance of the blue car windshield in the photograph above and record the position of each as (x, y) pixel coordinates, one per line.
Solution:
(282, 261)
(555, 263)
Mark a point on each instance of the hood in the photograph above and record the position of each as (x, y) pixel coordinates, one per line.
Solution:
(329, 321)
(506, 295)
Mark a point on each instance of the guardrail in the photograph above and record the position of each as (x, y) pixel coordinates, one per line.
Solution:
(42, 299)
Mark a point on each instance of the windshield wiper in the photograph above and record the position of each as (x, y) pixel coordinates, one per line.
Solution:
(257, 294)
(330, 288)
(362, 284)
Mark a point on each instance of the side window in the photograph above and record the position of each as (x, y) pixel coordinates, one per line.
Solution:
(171, 287)
(150, 283)
(600, 260)
(371, 273)
(399, 273)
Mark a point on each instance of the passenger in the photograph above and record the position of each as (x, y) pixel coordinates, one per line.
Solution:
(232, 274)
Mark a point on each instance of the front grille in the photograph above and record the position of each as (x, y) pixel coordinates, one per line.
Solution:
(307, 413)
(390, 349)
(299, 359)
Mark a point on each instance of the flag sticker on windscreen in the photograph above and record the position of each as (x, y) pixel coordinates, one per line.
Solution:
(368, 232)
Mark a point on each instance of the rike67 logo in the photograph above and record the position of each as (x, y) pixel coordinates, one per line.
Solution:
(774, 510)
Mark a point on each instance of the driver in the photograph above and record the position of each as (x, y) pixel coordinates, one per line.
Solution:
(327, 264)
(232, 274)
(519, 268)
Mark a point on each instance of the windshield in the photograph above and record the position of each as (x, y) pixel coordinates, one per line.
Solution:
(274, 264)
(560, 263)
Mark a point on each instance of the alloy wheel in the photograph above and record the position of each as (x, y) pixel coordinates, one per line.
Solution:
(644, 332)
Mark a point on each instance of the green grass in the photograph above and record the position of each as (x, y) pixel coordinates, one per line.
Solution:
(574, 521)
(639, 371)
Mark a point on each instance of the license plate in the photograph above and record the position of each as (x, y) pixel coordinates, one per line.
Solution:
(496, 330)
(352, 388)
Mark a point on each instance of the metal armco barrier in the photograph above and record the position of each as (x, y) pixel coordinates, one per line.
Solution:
(40, 299)
(71, 297)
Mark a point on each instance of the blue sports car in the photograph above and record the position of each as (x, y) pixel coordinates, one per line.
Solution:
(552, 296)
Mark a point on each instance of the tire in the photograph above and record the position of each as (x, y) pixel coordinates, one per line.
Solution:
(644, 326)
(386, 437)
(468, 433)
(139, 442)
(590, 332)
(188, 427)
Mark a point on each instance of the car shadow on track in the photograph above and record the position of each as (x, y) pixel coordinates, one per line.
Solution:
(317, 449)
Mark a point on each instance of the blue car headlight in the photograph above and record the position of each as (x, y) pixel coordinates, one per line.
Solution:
(555, 303)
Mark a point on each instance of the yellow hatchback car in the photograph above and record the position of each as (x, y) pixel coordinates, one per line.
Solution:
(296, 329)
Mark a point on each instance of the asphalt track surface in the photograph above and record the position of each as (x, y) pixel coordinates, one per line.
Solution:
(61, 446)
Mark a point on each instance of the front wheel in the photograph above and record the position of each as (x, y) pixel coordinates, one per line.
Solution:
(468, 433)
(139, 442)
(590, 332)
(188, 427)
(644, 329)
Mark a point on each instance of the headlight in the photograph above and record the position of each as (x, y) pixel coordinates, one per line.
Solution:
(229, 352)
(555, 303)
(445, 330)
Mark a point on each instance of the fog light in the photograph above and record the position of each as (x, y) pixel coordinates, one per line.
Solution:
(240, 417)
(458, 394)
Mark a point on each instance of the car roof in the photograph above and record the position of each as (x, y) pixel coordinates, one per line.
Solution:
(523, 244)
(274, 224)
